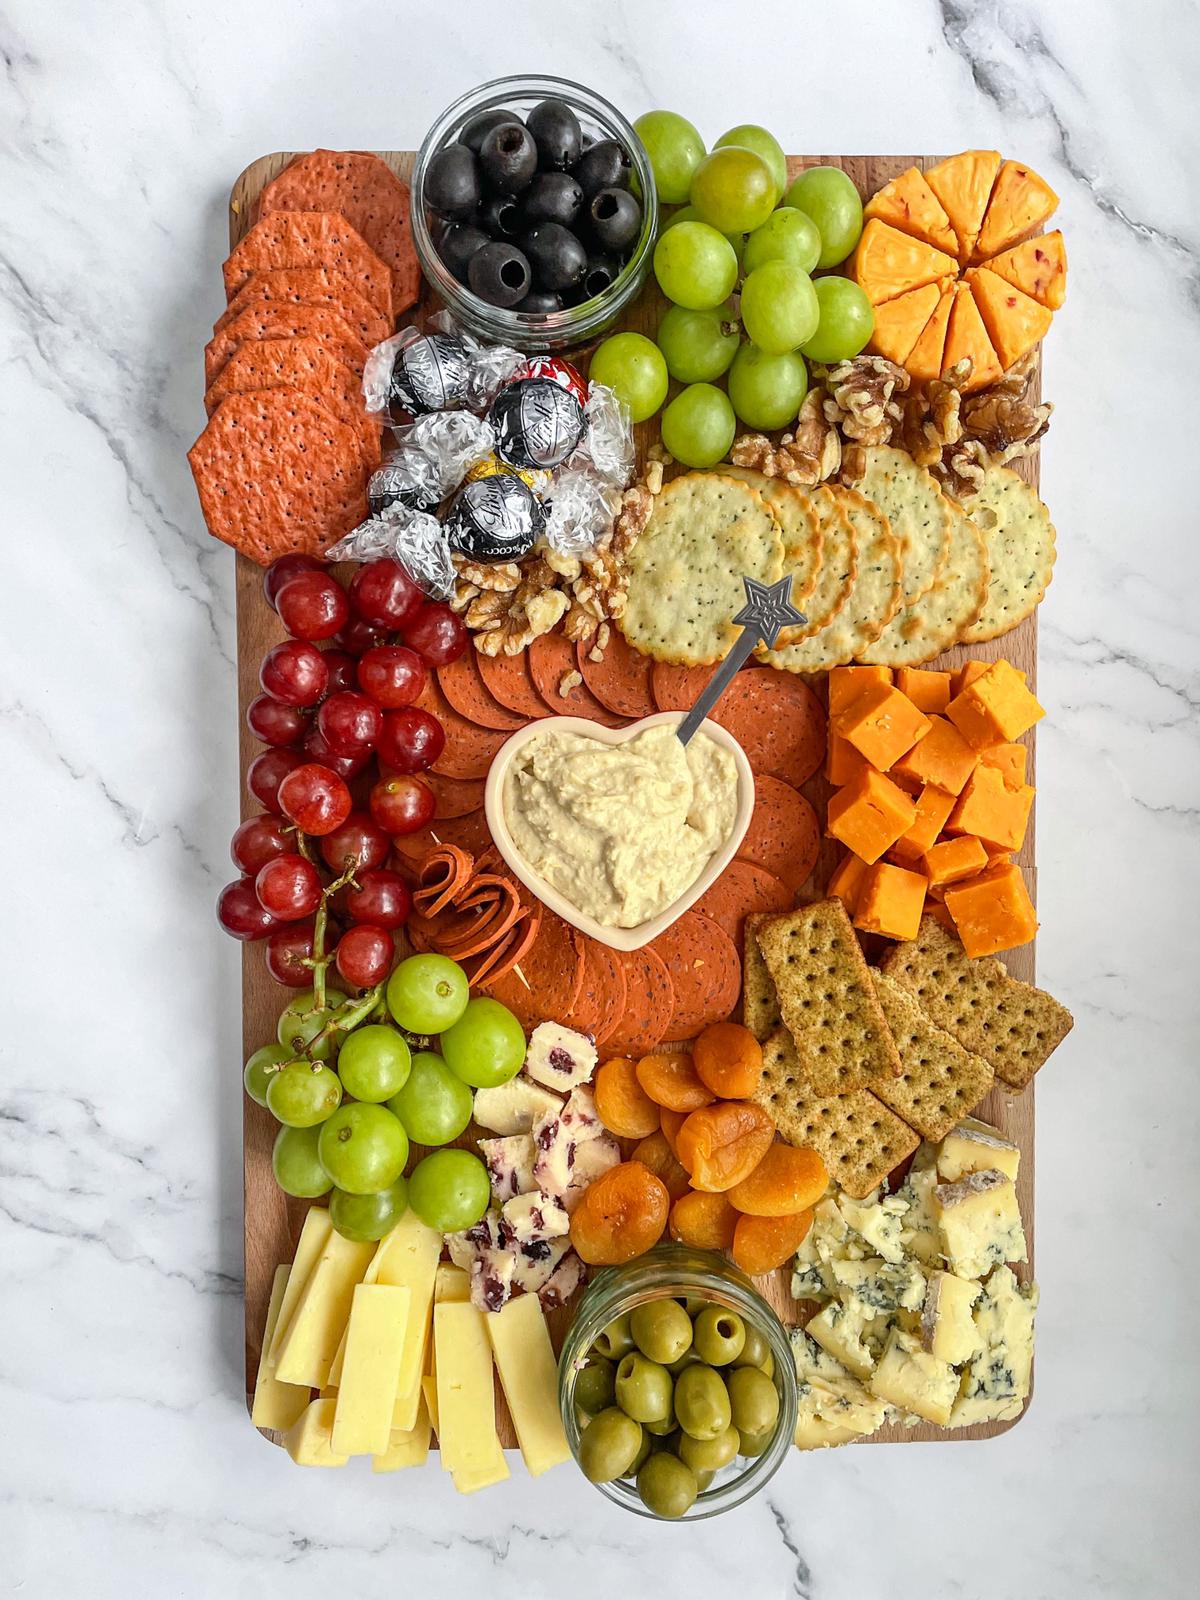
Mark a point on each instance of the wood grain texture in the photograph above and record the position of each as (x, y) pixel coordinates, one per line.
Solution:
(272, 1221)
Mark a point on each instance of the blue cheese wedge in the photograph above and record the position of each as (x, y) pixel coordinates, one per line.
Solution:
(834, 1406)
(909, 1377)
(881, 1286)
(845, 1330)
(979, 1223)
(973, 1146)
(948, 1330)
(878, 1222)
(996, 1384)
(919, 1230)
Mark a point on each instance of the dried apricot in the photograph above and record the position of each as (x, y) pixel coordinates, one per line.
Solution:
(722, 1144)
(705, 1221)
(624, 1106)
(760, 1244)
(672, 1121)
(785, 1181)
(728, 1060)
(621, 1215)
(671, 1081)
(654, 1152)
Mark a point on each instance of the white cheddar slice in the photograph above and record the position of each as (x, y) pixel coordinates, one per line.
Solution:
(310, 1344)
(912, 1379)
(276, 1405)
(429, 1396)
(466, 1401)
(973, 1146)
(366, 1396)
(407, 1258)
(467, 1480)
(313, 1237)
(529, 1378)
(309, 1440)
(407, 1447)
(452, 1284)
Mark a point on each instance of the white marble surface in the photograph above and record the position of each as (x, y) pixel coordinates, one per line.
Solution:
(126, 1460)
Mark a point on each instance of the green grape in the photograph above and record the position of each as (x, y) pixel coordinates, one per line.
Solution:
(829, 197)
(696, 266)
(749, 136)
(698, 345)
(847, 321)
(486, 1046)
(767, 390)
(363, 1148)
(434, 1105)
(300, 1022)
(632, 366)
(779, 307)
(698, 426)
(786, 235)
(449, 1190)
(690, 214)
(303, 1093)
(733, 189)
(427, 993)
(260, 1070)
(364, 1217)
(374, 1063)
(296, 1165)
(675, 150)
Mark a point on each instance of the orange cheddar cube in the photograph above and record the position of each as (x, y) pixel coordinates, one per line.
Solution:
(890, 902)
(928, 691)
(955, 859)
(996, 857)
(842, 761)
(937, 910)
(881, 725)
(869, 815)
(992, 811)
(943, 758)
(846, 881)
(995, 709)
(1009, 760)
(847, 683)
(993, 911)
(966, 675)
(934, 806)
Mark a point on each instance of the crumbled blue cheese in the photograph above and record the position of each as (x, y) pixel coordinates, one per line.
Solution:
(996, 1384)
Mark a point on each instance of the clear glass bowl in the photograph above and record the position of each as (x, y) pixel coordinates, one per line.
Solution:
(669, 1271)
(555, 330)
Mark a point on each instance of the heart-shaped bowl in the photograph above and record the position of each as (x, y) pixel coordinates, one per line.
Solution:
(644, 932)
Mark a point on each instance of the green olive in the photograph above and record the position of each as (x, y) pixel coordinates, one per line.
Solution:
(643, 1388)
(609, 1445)
(702, 1402)
(644, 1450)
(689, 1358)
(753, 1444)
(667, 1485)
(703, 1479)
(594, 1385)
(755, 1351)
(666, 1441)
(694, 1304)
(719, 1335)
(661, 1426)
(767, 1365)
(753, 1400)
(706, 1455)
(662, 1330)
(616, 1339)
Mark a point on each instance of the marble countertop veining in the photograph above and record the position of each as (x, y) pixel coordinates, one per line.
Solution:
(126, 1458)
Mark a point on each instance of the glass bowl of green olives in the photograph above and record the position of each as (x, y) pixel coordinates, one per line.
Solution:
(677, 1385)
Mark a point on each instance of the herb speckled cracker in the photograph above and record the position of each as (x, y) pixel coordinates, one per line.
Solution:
(760, 1003)
(941, 1082)
(938, 619)
(1020, 543)
(800, 526)
(918, 511)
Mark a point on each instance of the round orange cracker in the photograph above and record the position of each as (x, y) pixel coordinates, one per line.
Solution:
(469, 749)
(621, 680)
(507, 680)
(784, 835)
(705, 970)
(269, 321)
(455, 796)
(310, 239)
(464, 688)
(552, 970)
(551, 659)
(310, 286)
(742, 889)
(649, 1004)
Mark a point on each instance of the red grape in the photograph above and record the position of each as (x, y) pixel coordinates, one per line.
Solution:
(240, 913)
(358, 636)
(436, 634)
(283, 570)
(266, 772)
(410, 739)
(287, 949)
(294, 672)
(315, 799)
(317, 748)
(381, 899)
(274, 723)
(259, 840)
(289, 888)
(357, 842)
(312, 605)
(392, 675)
(384, 594)
(349, 722)
(342, 669)
(402, 804)
(364, 955)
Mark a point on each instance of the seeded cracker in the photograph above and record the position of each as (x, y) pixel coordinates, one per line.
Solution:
(685, 571)
(938, 619)
(799, 523)
(941, 1082)
(310, 239)
(919, 513)
(839, 565)
(760, 1003)
(1020, 542)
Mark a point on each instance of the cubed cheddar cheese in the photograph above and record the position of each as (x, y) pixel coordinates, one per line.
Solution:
(881, 725)
(934, 806)
(955, 859)
(309, 1441)
(529, 1377)
(846, 880)
(966, 675)
(943, 758)
(890, 902)
(996, 708)
(992, 811)
(847, 683)
(1011, 761)
(276, 1405)
(869, 815)
(993, 911)
(928, 691)
(937, 910)
(842, 761)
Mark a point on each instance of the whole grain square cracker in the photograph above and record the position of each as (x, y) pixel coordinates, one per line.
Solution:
(859, 1139)
(801, 528)
(941, 1082)
(686, 569)
(827, 999)
(1020, 543)
(760, 1003)
(918, 511)
(1012, 1025)
(938, 619)
(310, 239)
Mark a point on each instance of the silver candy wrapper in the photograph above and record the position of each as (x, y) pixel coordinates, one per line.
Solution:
(580, 508)
(414, 538)
(438, 368)
(430, 459)
(489, 366)
(606, 447)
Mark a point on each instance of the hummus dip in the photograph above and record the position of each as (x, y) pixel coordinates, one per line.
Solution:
(620, 830)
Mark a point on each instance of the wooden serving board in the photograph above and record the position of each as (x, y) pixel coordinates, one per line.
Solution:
(272, 1220)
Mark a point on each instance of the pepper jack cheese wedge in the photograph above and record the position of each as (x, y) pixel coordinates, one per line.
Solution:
(276, 1405)
(466, 1401)
(311, 1342)
(529, 1377)
(309, 1440)
(314, 1236)
(914, 1380)
(366, 1398)
(407, 1447)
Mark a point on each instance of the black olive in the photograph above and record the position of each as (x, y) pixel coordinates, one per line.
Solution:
(499, 273)
(552, 197)
(501, 216)
(556, 132)
(458, 244)
(539, 303)
(556, 255)
(452, 181)
(477, 130)
(600, 272)
(508, 158)
(616, 218)
(605, 166)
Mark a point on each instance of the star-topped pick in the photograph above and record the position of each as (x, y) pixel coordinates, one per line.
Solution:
(767, 610)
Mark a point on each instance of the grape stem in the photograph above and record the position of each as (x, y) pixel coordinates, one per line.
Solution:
(348, 1016)
(320, 961)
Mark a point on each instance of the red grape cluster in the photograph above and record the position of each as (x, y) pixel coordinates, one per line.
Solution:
(323, 839)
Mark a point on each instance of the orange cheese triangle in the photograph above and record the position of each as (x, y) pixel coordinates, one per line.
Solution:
(967, 336)
(888, 263)
(1021, 202)
(963, 184)
(908, 203)
(925, 357)
(900, 322)
(1038, 267)
(1014, 321)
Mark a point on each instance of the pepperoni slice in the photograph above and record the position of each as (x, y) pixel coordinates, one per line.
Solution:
(621, 680)
(507, 680)
(649, 1004)
(705, 970)
(550, 976)
(784, 835)
(743, 889)
(551, 659)
(466, 691)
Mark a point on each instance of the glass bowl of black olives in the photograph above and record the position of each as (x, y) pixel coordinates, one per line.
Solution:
(534, 212)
